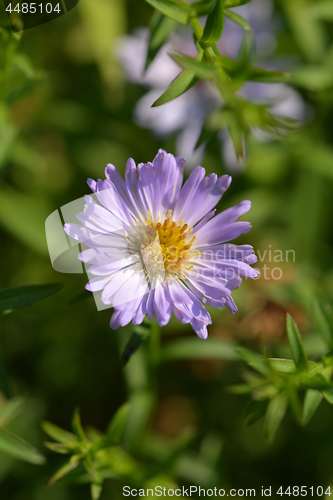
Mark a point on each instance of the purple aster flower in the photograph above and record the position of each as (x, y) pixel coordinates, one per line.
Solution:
(155, 246)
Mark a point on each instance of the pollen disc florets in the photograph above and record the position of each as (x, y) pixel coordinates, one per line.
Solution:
(164, 247)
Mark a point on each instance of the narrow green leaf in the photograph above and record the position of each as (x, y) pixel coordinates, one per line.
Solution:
(58, 434)
(10, 410)
(236, 18)
(175, 9)
(255, 410)
(296, 344)
(256, 361)
(322, 10)
(253, 73)
(139, 336)
(18, 448)
(276, 410)
(193, 348)
(183, 82)
(282, 365)
(77, 426)
(23, 296)
(57, 447)
(317, 381)
(202, 69)
(70, 465)
(324, 318)
(214, 24)
(328, 395)
(235, 3)
(312, 400)
(239, 389)
(202, 8)
(96, 491)
(160, 30)
(117, 425)
(83, 295)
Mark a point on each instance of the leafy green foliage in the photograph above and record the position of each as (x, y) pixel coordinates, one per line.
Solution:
(23, 296)
(279, 381)
(10, 443)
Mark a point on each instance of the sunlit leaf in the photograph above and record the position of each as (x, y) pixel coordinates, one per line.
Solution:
(17, 447)
(23, 296)
(58, 434)
(236, 18)
(323, 10)
(193, 348)
(10, 410)
(254, 74)
(117, 425)
(276, 410)
(183, 82)
(202, 69)
(324, 318)
(96, 491)
(256, 361)
(317, 381)
(161, 28)
(175, 9)
(70, 465)
(312, 400)
(214, 24)
(235, 3)
(77, 426)
(296, 344)
(282, 365)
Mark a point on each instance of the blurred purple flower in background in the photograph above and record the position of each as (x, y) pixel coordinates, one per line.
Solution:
(187, 113)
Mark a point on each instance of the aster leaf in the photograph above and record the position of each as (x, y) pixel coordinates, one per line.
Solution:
(317, 381)
(9, 410)
(324, 10)
(235, 3)
(161, 28)
(58, 434)
(202, 69)
(255, 410)
(182, 83)
(282, 365)
(256, 361)
(328, 395)
(202, 8)
(117, 425)
(77, 426)
(65, 469)
(236, 18)
(96, 491)
(324, 318)
(17, 447)
(139, 335)
(312, 401)
(196, 349)
(253, 73)
(296, 344)
(175, 9)
(214, 24)
(83, 295)
(23, 296)
(276, 410)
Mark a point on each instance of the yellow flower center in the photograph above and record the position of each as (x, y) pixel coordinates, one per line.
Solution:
(165, 246)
